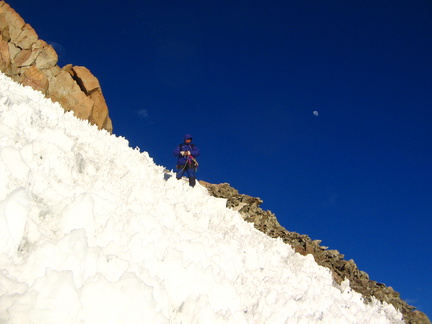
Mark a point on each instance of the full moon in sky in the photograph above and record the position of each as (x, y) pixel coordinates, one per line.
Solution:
(316, 113)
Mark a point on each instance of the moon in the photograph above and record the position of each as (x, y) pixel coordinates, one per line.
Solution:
(316, 113)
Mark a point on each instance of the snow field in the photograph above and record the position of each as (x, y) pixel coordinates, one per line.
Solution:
(93, 231)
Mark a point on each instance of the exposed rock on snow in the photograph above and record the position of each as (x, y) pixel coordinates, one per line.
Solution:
(266, 222)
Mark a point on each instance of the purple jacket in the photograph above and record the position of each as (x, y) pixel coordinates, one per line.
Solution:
(193, 149)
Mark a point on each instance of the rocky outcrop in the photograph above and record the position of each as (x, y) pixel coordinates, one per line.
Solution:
(32, 62)
(266, 222)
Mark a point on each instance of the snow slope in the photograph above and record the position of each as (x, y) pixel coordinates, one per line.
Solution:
(92, 231)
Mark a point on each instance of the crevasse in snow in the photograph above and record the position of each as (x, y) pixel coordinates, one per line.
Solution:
(93, 231)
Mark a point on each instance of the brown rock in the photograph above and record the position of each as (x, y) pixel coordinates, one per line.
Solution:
(10, 22)
(34, 78)
(99, 115)
(310, 249)
(4, 56)
(31, 61)
(64, 90)
(418, 317)
(26, 37)
(22, 58)
(85, 79)
(46, 56)
(299, 249)
(13, 50)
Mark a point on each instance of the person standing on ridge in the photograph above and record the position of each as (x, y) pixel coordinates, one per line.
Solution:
(186, 162)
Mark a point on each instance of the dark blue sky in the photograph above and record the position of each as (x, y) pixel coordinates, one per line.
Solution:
(244, 78)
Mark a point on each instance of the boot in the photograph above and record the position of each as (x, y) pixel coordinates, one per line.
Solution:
(192, 181)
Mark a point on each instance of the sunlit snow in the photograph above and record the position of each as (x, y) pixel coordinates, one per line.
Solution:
(92, 231)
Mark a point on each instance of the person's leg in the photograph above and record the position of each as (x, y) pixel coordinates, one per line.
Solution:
(180, 172)
(192, 177)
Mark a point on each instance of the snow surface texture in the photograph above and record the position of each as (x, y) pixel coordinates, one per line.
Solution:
(92, 231)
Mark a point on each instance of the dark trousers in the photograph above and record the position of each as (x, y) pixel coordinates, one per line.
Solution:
(190, 173)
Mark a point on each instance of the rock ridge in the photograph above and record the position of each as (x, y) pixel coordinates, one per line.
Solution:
(266, 222)
(31, 61)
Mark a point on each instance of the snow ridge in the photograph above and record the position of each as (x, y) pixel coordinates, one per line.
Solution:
(93, 231)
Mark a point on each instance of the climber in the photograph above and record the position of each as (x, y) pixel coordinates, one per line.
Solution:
(186, 161)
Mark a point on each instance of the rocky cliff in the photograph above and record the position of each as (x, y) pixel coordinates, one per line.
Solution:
(265, 221)
(31, 61)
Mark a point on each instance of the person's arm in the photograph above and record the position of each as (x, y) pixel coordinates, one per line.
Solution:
(195, 151)
(176, 151)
